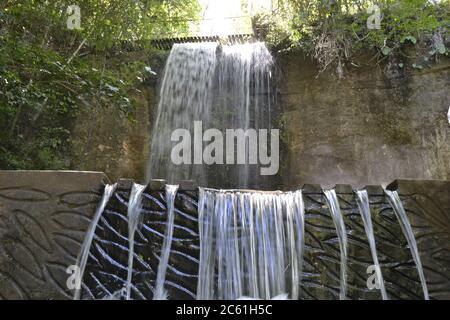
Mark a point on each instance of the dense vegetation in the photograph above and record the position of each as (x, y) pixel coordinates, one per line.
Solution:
(49, 72)
(332, 31)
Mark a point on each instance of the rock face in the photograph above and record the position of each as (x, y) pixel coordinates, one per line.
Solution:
(105, 139)
(378, 124)
(43, 218)
(371, 127)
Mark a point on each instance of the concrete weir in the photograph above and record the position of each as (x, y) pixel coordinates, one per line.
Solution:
(44, 216)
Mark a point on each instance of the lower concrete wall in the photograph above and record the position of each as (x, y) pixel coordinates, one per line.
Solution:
(44, 216)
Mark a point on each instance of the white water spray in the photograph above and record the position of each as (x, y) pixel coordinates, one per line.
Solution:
(397, 205)
(160, 292)
(133, 213)
(251, 242)
(364, 209)
(86, 246)
(224, 87)
(338, 220)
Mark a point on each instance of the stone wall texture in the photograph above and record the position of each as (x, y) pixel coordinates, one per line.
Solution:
(378, 124)
(107, 140)
(44, 216)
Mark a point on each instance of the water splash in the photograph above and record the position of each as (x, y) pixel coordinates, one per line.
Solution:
(117, 295)
(133, 213)
(283, 296)
(397, 205)
(86, 246)
(160, 292)
(364, 209)
(338, 220)
(225, 87)
(251, 242)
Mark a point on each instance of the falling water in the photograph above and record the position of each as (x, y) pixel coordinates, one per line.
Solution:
(338, 220)
(160, 293)
(251, 244)
(86, 246)
(397, 205)
(364, 209)
(186, 96)
(134, 210)
(224, 87)
(246, 99)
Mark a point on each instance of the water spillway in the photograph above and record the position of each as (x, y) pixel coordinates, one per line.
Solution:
(241, 243)
(364, 209)
(236, 244)
(86, 246)
(55, 220)
(165, 242)
(133, 214)
(160, 292)
(251, 244)
(341, 231)
(396, 203)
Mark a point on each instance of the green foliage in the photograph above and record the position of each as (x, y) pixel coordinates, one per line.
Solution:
(103, 23)
(48, 73)
(333, 30)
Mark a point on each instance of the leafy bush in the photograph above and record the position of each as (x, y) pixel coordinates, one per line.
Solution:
(48, 72)
(333, 30)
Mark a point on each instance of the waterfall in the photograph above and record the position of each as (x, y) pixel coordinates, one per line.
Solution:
(86, 246)
(246, 100)
(160, 293)
(338, 220)
(185, 96)
(224, 87)
(133, 212)
(364, 209)
(397, 205)
(251, 244)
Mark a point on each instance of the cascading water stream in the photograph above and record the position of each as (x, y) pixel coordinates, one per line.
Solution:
(251, 245)
(186, 95)
(397, 205)
(133, 213)
(160, 292)
(224, 87)
(255, 242)
(296, 232)
(364, 209)
(338, 220)
(86, 246)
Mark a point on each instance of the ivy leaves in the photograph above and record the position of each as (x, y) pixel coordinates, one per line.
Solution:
(409, 38)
